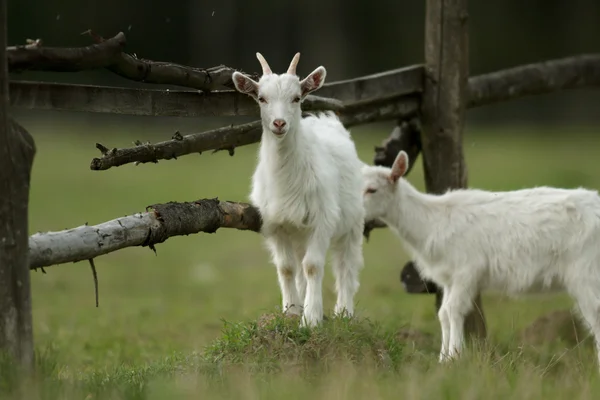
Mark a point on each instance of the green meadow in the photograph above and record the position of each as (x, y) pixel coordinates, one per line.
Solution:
(199, 319)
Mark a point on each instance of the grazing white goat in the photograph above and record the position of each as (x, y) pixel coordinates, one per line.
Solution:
(307, 187)
(521, 241)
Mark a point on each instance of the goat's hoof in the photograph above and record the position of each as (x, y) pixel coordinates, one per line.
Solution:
(447, 358)
(313, 323)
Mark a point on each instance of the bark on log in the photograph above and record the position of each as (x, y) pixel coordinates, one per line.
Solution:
(443, 111)
(154, 226)
(17, 150)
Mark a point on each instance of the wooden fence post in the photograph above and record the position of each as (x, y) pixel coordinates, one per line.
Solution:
(443, 111)
(17, 150)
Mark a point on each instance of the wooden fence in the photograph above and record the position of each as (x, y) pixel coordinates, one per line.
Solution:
(425, 102)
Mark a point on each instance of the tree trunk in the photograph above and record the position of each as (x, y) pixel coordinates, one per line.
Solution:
(443, 111)
(17, 150)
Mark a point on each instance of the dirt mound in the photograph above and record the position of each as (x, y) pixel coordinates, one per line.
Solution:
(561, 325)
(414, 338)
(275, 339)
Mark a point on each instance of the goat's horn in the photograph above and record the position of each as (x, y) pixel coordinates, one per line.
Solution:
(292, 68)
(263, 63)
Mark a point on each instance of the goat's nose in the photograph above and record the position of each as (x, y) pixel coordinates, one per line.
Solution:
(279, 123)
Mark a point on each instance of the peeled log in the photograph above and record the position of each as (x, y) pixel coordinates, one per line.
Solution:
(141, 229)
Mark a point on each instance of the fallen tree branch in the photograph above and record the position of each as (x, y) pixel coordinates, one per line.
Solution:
(149, 228)
(109, 54)
(137, 69)
(228, 137)
(33, 56)
(150, 102)
(231, 137)
(166, 73)
(156, 225)
(534, 79)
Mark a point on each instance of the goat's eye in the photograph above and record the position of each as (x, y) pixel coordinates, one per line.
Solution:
(296, 99)
(262, 99)
(370, 190)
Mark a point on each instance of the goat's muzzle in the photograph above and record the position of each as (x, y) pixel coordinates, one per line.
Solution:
(279, 127)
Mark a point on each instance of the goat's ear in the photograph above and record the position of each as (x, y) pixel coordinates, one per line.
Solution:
(245, 84)
(313, 81)
(399, 167)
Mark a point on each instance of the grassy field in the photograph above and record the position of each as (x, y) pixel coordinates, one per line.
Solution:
(187, 322)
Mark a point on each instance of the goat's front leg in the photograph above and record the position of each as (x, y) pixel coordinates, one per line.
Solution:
(444, 325)
(286, 262)
(313, 265)
(347, 260)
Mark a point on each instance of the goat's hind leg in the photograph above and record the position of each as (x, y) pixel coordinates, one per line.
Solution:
(347, 261)
(286, 262)
(300, 278)
(444, 327)
(588, 301)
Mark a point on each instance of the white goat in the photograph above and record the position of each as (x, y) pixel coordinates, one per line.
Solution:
(522, 241)
(307, 187)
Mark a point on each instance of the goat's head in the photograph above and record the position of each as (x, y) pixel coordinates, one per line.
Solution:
(279, 96)
(380, 185)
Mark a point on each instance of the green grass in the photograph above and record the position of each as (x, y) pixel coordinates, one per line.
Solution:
(186, 323)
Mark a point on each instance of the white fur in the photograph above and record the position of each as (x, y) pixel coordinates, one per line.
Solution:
(520, 241)
(307, 186)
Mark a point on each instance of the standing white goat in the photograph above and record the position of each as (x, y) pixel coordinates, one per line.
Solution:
(307, 187)
(521, 241)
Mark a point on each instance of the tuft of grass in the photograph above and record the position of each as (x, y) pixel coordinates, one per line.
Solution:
(275, 342)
